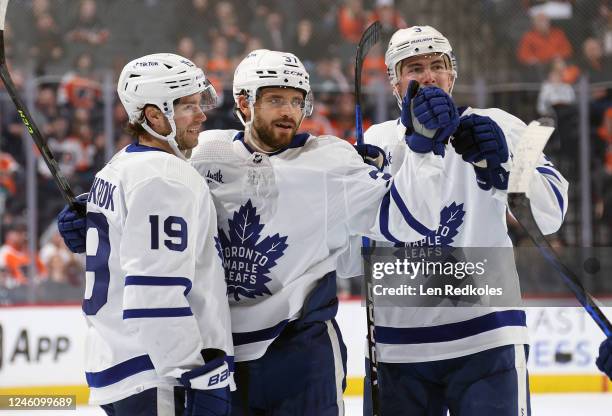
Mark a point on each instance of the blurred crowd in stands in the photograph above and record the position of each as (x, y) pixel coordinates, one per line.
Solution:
(70, 46)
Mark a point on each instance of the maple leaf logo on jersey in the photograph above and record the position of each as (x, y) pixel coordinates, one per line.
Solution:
(451, 218)
(246, 260)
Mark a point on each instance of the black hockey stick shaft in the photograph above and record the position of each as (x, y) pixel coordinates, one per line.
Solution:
(519, 204)
(369, 38)
(371, 336)
(28, 121)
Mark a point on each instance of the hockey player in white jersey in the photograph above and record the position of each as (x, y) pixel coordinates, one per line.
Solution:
(286, 206)
(471, 361)
(158, 338)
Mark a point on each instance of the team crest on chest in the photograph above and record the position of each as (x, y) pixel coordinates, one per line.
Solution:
(248, 258)
(451, 218)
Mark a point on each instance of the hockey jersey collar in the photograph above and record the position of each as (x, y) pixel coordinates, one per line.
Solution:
(299, 140)
(137, 147)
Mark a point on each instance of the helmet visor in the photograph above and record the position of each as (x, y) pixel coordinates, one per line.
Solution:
(203, 101)
(305, 104)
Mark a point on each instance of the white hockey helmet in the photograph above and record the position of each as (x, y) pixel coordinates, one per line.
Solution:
(415, 41)
(159, 79)
(265, 68)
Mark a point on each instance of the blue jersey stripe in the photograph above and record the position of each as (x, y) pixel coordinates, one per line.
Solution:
(137, 147)
(119, 371)
(159, 281)
(384, 219)
(450, 332)
(230, 362)
(241, 338)
(156, 313)
(557, 194)
(547, 171)
(413, 222)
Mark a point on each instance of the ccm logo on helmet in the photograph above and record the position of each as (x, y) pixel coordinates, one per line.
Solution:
(289, 72)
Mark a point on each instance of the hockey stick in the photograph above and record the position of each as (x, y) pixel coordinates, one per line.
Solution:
(28, 121)
(525, 159)
(369, 38)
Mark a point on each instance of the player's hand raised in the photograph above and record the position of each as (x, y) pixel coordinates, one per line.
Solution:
(430, 117)
(481, 142)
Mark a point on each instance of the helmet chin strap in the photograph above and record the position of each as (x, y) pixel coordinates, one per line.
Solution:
(170, 138)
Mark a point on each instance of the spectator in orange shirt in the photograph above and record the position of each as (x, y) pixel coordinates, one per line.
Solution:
(605, 134)
(390, 18)
(15, 258)
(352, 19)
(542, 44)
(343, 118)
(318, 123)
(374, 67)
(8, 168)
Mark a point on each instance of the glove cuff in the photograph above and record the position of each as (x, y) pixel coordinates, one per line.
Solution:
(212, 375)
(492, 177)
(499, 178)
(421, 144)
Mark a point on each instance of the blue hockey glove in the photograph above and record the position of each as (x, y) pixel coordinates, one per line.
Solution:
(492, 177)
(481, 142)
(207, 389)
(430, 117)
(604, 361)
(73, 226)
(372, 155)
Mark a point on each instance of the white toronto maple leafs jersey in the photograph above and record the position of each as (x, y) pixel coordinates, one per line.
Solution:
(285, 218)
(470, 217)
(155, 288)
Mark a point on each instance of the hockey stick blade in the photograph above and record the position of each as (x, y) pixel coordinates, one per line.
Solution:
(369, 38)
(525, 159)
(28, 121)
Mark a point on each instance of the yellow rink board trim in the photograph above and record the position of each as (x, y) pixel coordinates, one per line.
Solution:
(579, 383)
(564, 383)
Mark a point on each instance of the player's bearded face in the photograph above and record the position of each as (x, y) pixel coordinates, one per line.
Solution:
(428, 70)
(188, 117)
(278, 113)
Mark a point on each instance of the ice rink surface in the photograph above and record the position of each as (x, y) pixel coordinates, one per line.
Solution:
(541, 405)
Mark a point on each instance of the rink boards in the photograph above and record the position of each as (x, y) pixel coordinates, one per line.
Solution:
(42, 350)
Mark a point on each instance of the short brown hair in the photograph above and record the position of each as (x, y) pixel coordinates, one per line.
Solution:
(135, 129)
